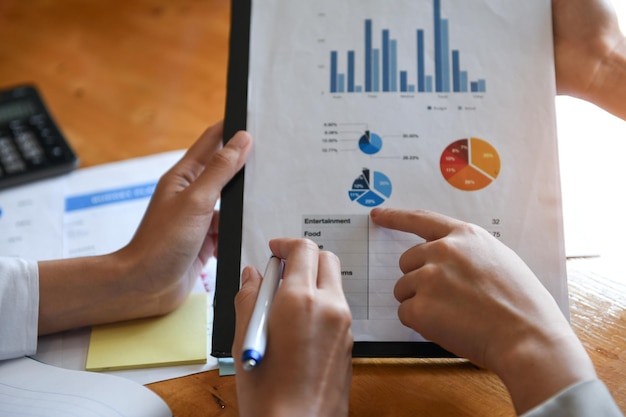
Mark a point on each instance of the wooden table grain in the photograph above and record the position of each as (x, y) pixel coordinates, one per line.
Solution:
(122, 78)
(127, 78)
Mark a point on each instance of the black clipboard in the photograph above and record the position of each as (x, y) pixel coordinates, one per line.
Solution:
(231, 212)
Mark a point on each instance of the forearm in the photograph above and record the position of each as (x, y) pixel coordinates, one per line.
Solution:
(542, 366)
(86, 291)
(608, 89)
(590, 53)
(156, 271)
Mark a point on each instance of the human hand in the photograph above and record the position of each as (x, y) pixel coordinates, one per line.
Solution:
(155, 272)
(307, 366)
(178, 233)
(586, 34)
(468, 292)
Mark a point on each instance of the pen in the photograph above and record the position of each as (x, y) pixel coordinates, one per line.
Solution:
(256, 335)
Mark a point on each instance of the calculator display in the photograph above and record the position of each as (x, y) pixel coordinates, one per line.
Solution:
(19, 109)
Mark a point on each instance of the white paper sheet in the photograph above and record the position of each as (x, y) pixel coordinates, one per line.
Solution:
(348, 116)
(29, 388)
(31, 220)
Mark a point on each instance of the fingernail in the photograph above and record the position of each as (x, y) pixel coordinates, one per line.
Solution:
(240, 140)
(245, 275)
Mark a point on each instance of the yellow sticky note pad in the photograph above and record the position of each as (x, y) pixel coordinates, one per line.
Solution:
(179, 338)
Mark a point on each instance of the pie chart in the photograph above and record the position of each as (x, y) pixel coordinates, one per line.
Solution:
(370, 189)
(370, 143)
(470, 164)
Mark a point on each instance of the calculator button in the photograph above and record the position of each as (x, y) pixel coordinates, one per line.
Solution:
(48, 137)
(30, 148)
(57, 152)
(15, 166)
(17, 124)
(7, 149)
(39, 120)
(9, 155)
(18, 127)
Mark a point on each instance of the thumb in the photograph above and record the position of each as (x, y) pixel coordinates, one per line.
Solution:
(222, 166)
(244, 305)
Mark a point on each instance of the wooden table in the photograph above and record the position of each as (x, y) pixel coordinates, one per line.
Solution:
(129, 78)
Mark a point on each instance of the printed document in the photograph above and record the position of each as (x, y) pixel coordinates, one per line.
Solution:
(445, 105)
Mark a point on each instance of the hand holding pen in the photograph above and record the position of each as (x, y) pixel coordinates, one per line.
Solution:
(309, 343)
(255, 343)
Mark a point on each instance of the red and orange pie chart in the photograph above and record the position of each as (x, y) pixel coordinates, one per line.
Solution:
(470, 164)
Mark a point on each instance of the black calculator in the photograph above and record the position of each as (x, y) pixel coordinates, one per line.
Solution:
(31, 145)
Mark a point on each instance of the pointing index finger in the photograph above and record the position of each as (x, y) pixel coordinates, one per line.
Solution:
(426, 224)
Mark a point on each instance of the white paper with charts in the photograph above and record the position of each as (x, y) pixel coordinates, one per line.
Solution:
(446, 105)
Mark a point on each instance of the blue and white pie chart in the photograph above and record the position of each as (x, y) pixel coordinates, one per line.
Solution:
(370, 143)
(370, 189)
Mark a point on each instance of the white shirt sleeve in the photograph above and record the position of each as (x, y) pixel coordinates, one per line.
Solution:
(584, 399)
(19, 307)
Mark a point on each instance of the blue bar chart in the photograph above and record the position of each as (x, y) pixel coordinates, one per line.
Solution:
(380, 68)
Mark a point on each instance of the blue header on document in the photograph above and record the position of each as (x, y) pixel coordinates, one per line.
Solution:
(112, 196)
